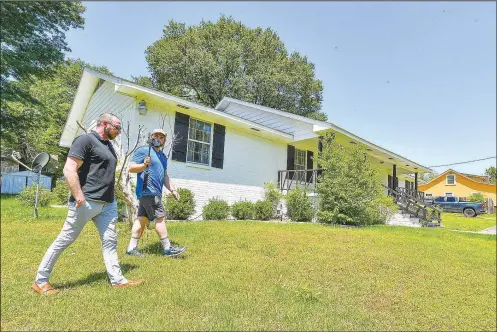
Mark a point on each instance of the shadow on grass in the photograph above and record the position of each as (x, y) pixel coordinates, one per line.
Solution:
(94, 277)
(156, 249)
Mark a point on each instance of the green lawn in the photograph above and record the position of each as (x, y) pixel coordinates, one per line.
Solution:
(253, 276)
(457, 221)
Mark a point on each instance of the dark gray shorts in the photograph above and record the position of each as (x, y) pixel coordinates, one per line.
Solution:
(151, 207)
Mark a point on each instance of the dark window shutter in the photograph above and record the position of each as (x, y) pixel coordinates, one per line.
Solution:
(218, 146)
(310, 165)
(181, 133)
(290, 158)
(390, 184)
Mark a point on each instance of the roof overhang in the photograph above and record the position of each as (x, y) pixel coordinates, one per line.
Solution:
(90, 79)
(86, 87)
(383, 156)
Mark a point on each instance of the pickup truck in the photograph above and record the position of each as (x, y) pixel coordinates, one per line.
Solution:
(454, 204)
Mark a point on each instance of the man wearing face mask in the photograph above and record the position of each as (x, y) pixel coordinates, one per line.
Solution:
(151, 165)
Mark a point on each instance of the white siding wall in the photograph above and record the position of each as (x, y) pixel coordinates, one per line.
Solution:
(249, 160)
(106, 100)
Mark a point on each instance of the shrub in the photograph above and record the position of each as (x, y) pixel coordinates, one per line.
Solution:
(28, 194)
(181, 209)
(387, 208)
(476, 197)
(299, 205)
(61, 192)
(263, 210)
(272, 194)
(216, 209)
(243, 210)
(350, 190)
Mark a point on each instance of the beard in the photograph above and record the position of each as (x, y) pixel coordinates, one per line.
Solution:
(109, 134)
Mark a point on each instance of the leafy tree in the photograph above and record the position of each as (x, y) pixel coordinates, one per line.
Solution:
(33, 41)
(204, 63)
(429, 176)
(143, 81)
(350, 190)
(30, 127)
(491, 174)
(476, 197)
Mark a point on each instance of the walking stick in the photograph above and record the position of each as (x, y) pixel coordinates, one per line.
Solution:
(145, 176)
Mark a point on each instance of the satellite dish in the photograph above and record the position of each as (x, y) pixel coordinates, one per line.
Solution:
(40, 161)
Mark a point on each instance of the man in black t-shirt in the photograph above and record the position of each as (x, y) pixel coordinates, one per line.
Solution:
(89, 172)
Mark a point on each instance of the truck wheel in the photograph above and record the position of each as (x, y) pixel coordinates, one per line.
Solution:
(470, 213)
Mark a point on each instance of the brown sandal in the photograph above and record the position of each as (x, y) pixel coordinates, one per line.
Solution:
(45, 289)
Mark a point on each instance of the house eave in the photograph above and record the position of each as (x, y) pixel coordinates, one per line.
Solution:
(403, 164)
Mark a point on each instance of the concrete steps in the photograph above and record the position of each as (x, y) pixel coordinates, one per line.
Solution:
(403, 219)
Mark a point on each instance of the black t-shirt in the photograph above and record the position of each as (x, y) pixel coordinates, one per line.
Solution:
(96, 174)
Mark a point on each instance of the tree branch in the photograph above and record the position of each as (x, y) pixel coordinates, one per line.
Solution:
(81, 126)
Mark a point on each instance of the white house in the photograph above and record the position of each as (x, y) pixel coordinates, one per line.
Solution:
(229, 151)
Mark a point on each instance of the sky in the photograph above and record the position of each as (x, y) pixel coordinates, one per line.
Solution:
(416, 78)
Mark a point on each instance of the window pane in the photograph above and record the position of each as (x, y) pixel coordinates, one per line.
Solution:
(199, 139)
(198, 152)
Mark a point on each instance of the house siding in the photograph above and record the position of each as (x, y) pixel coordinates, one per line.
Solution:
(105, 99)
(249, 160)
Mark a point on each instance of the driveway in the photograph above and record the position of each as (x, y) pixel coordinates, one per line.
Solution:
(491, 230)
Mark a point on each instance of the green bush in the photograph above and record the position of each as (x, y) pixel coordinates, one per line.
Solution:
(28, 194)
(387, 208)
(243, 210)
(263, 210)
(477, 198)
(350, 191)
(299, 205)
(61, 192)
(181, 209)
(216, 209)
(272, 194)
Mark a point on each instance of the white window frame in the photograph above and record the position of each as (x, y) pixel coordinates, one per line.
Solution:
(447, 180)
(449, 194)
(300, 165)
(193, 140)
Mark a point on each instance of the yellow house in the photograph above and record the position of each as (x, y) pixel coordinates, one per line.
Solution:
(452, 183)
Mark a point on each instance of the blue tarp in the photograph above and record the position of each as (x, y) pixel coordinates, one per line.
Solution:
(13, 183)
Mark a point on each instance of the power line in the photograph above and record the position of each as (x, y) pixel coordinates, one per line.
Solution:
(465, 162)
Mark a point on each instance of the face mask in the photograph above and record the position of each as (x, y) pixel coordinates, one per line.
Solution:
(155, 142)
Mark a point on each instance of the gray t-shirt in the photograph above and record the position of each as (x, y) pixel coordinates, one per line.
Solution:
(96, 174)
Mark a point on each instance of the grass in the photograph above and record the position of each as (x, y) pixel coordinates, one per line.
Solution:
(457, 221)
(253, 276)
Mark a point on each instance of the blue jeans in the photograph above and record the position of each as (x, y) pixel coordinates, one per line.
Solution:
(104, 217)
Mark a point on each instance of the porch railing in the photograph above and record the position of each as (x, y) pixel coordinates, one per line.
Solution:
(415, 206)
(414, 194)
(289, 179)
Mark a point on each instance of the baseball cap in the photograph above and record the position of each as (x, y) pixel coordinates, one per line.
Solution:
(159, 131)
